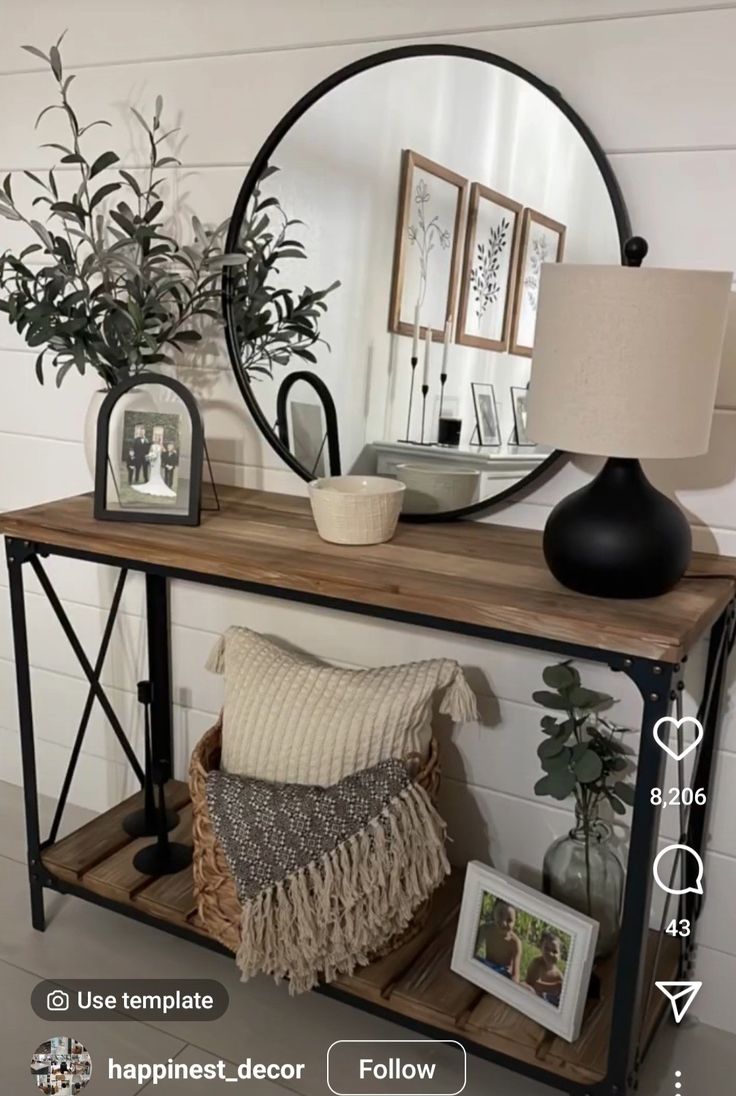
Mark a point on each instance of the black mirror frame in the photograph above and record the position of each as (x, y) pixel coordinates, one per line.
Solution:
(139, 380)
(262, 160)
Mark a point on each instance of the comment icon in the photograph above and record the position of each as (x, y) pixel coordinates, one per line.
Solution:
(679, 850)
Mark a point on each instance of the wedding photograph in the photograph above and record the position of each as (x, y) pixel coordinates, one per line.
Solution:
(148, 472)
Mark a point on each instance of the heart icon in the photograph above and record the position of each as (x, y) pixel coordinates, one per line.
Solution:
(675, 724)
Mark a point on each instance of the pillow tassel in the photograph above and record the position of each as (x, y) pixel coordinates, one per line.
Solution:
(459, 700)
(216, 661)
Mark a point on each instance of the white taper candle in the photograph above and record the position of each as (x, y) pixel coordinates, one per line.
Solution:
(415, 343)
(446, 348)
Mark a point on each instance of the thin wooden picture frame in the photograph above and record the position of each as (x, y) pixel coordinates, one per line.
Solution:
(475, 385)
(564, 1018)
(530, 217)
(480, 193)
(409, 161)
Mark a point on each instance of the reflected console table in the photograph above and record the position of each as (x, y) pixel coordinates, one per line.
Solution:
(479, 580)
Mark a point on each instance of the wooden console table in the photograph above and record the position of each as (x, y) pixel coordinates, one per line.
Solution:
(467, 578)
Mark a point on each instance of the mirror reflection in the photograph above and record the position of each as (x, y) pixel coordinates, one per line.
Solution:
(395, 244)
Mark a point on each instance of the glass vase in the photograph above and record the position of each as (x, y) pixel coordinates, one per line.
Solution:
(582, 870)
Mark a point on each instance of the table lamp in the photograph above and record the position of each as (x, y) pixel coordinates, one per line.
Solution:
(625, 366)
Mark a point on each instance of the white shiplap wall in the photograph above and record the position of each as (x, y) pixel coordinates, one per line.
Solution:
(656, 82)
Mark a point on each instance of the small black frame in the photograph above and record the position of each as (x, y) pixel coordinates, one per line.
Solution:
(139, 380)
(262, 160)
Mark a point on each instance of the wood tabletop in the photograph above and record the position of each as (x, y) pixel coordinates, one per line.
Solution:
(475, 575)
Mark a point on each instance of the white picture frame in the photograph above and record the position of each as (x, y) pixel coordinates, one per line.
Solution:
(580, 934)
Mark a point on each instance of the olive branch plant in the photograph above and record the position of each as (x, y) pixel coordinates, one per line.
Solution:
(104, 281)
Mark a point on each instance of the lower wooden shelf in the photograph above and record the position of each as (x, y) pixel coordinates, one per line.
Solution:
(414, 982)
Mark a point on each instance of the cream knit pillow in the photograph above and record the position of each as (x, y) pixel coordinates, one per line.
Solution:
(289, 717)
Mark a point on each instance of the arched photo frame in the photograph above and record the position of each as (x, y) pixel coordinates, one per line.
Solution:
(146, 472)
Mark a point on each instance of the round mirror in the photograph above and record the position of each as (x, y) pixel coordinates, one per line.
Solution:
(392, 231)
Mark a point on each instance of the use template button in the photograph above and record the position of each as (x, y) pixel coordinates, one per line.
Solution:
(405, 1067)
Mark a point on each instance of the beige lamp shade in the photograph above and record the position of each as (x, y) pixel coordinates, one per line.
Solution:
(626, 359)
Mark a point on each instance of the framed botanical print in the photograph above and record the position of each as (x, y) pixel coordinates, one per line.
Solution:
(427, 248)
(542, 241)
(487, 282)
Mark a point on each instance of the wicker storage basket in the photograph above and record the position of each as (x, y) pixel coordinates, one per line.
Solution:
(218, 905)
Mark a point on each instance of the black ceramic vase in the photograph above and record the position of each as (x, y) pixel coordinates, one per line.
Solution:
(618, 536)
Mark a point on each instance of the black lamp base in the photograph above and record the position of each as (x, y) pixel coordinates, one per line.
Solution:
(618, 536)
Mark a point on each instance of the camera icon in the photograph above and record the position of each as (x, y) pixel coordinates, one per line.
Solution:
(57, 1001)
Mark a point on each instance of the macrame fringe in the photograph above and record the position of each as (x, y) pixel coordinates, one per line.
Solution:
(459, 700)
(327, 918)
(216, 660)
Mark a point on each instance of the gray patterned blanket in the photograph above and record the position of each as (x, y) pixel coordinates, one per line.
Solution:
(326, 876)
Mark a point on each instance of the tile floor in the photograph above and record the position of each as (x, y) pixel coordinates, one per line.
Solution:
(85, 941)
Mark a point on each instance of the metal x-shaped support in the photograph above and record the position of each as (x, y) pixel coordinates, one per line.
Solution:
(95, 691)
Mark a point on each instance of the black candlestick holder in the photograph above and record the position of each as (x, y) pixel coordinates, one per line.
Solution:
(443, 380)
(144, 822)
(425, 390)
(164, 857)
(414, 360)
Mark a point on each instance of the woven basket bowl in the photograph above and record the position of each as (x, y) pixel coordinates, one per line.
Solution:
(218, 905)
(356, 509)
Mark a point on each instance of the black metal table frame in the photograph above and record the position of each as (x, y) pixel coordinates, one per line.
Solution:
(658, 682)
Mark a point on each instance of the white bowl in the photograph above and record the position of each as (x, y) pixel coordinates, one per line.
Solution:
(431, 488)
(356, 509)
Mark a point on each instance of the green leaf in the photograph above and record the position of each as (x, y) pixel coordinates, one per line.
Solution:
(106, 159)
(70, 210)
(36, 52)
(588, 767)
(543, 786)
(61, 372)
(561, 760)
(549, 700)
(132, 182)
(550, 747)
(561, 676)
(102, 193)
(616, 803)
(73, 158)
(55, 62)
(561, 783)
(624, 791)
(589, 699)
(42, 231)
(39, 367)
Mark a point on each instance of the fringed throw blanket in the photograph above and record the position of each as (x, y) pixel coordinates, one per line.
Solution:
(326, 876)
